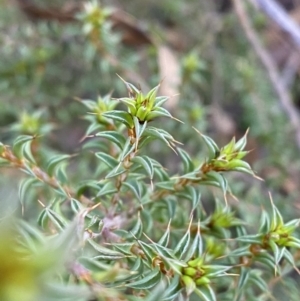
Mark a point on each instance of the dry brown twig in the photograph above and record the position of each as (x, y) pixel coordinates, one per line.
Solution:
(272, 71)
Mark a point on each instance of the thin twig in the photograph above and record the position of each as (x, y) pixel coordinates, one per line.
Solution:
(275, 12)
(267, 62)
(286, 23)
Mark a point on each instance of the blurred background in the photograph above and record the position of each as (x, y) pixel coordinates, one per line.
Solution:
(216, 59)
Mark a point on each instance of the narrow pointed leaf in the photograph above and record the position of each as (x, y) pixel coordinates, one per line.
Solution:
(206, 293)
(107, 159)
(240, 144)
(137, 230)
(115, 137)
(213, 148)
(105, 253)
(139, 130)
(183, 244)
(108, 188)
(164, 240)
(264, 222)
(24, 187)
(188, 165)
(54, 162)
(135, 187)
(118, 170)
(127, 149)
(160, 100)
(151, 279)
(120, 116)
(22, 147)
(146, 163)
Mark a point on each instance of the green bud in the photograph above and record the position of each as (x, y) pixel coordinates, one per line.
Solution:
(139, 98)
(238, 163)
(141, 113)
(132, 110)
(274, 236)
(241, 154)
(131, 104)
(151, 96)
(283, 241)
(227, 149)
(189, 271)
(202, 281)
(291, 226)
(197, 262)
(188, 283)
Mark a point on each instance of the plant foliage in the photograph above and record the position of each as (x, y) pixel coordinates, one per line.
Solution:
(133, 231)
(111, 222)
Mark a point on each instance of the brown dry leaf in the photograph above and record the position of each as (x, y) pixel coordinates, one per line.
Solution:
(133, 33)
(169, 70)
(65, 13)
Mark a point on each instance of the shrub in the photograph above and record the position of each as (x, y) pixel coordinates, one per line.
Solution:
(115, 225)
(133, 214)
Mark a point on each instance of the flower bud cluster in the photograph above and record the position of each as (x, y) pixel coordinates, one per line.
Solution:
(194, 274)
(282, 235)
(228, 158)
(144, 107)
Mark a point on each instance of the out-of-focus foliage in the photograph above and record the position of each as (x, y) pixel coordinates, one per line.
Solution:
(106, 190)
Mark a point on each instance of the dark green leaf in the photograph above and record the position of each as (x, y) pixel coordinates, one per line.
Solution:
(135, 186)
(183, 244)
(213, 148)
(107, 159)
(168, 185)
(219, 178)
(188, 165)
(164, 240)
(146, 163)
(54, 163)
(114, 137)
(22, 147)
(24, 187)
(264, 222)
(106, 189)
(137, 230)
(128, 149)
(118, 170)
(139, 130)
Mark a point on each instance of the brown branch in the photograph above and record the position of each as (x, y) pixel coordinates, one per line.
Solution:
(269, 65)
(23, 165)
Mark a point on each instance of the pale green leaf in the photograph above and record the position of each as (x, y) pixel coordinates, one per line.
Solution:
(149, 280)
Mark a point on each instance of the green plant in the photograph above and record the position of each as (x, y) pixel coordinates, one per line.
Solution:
(118, 226)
